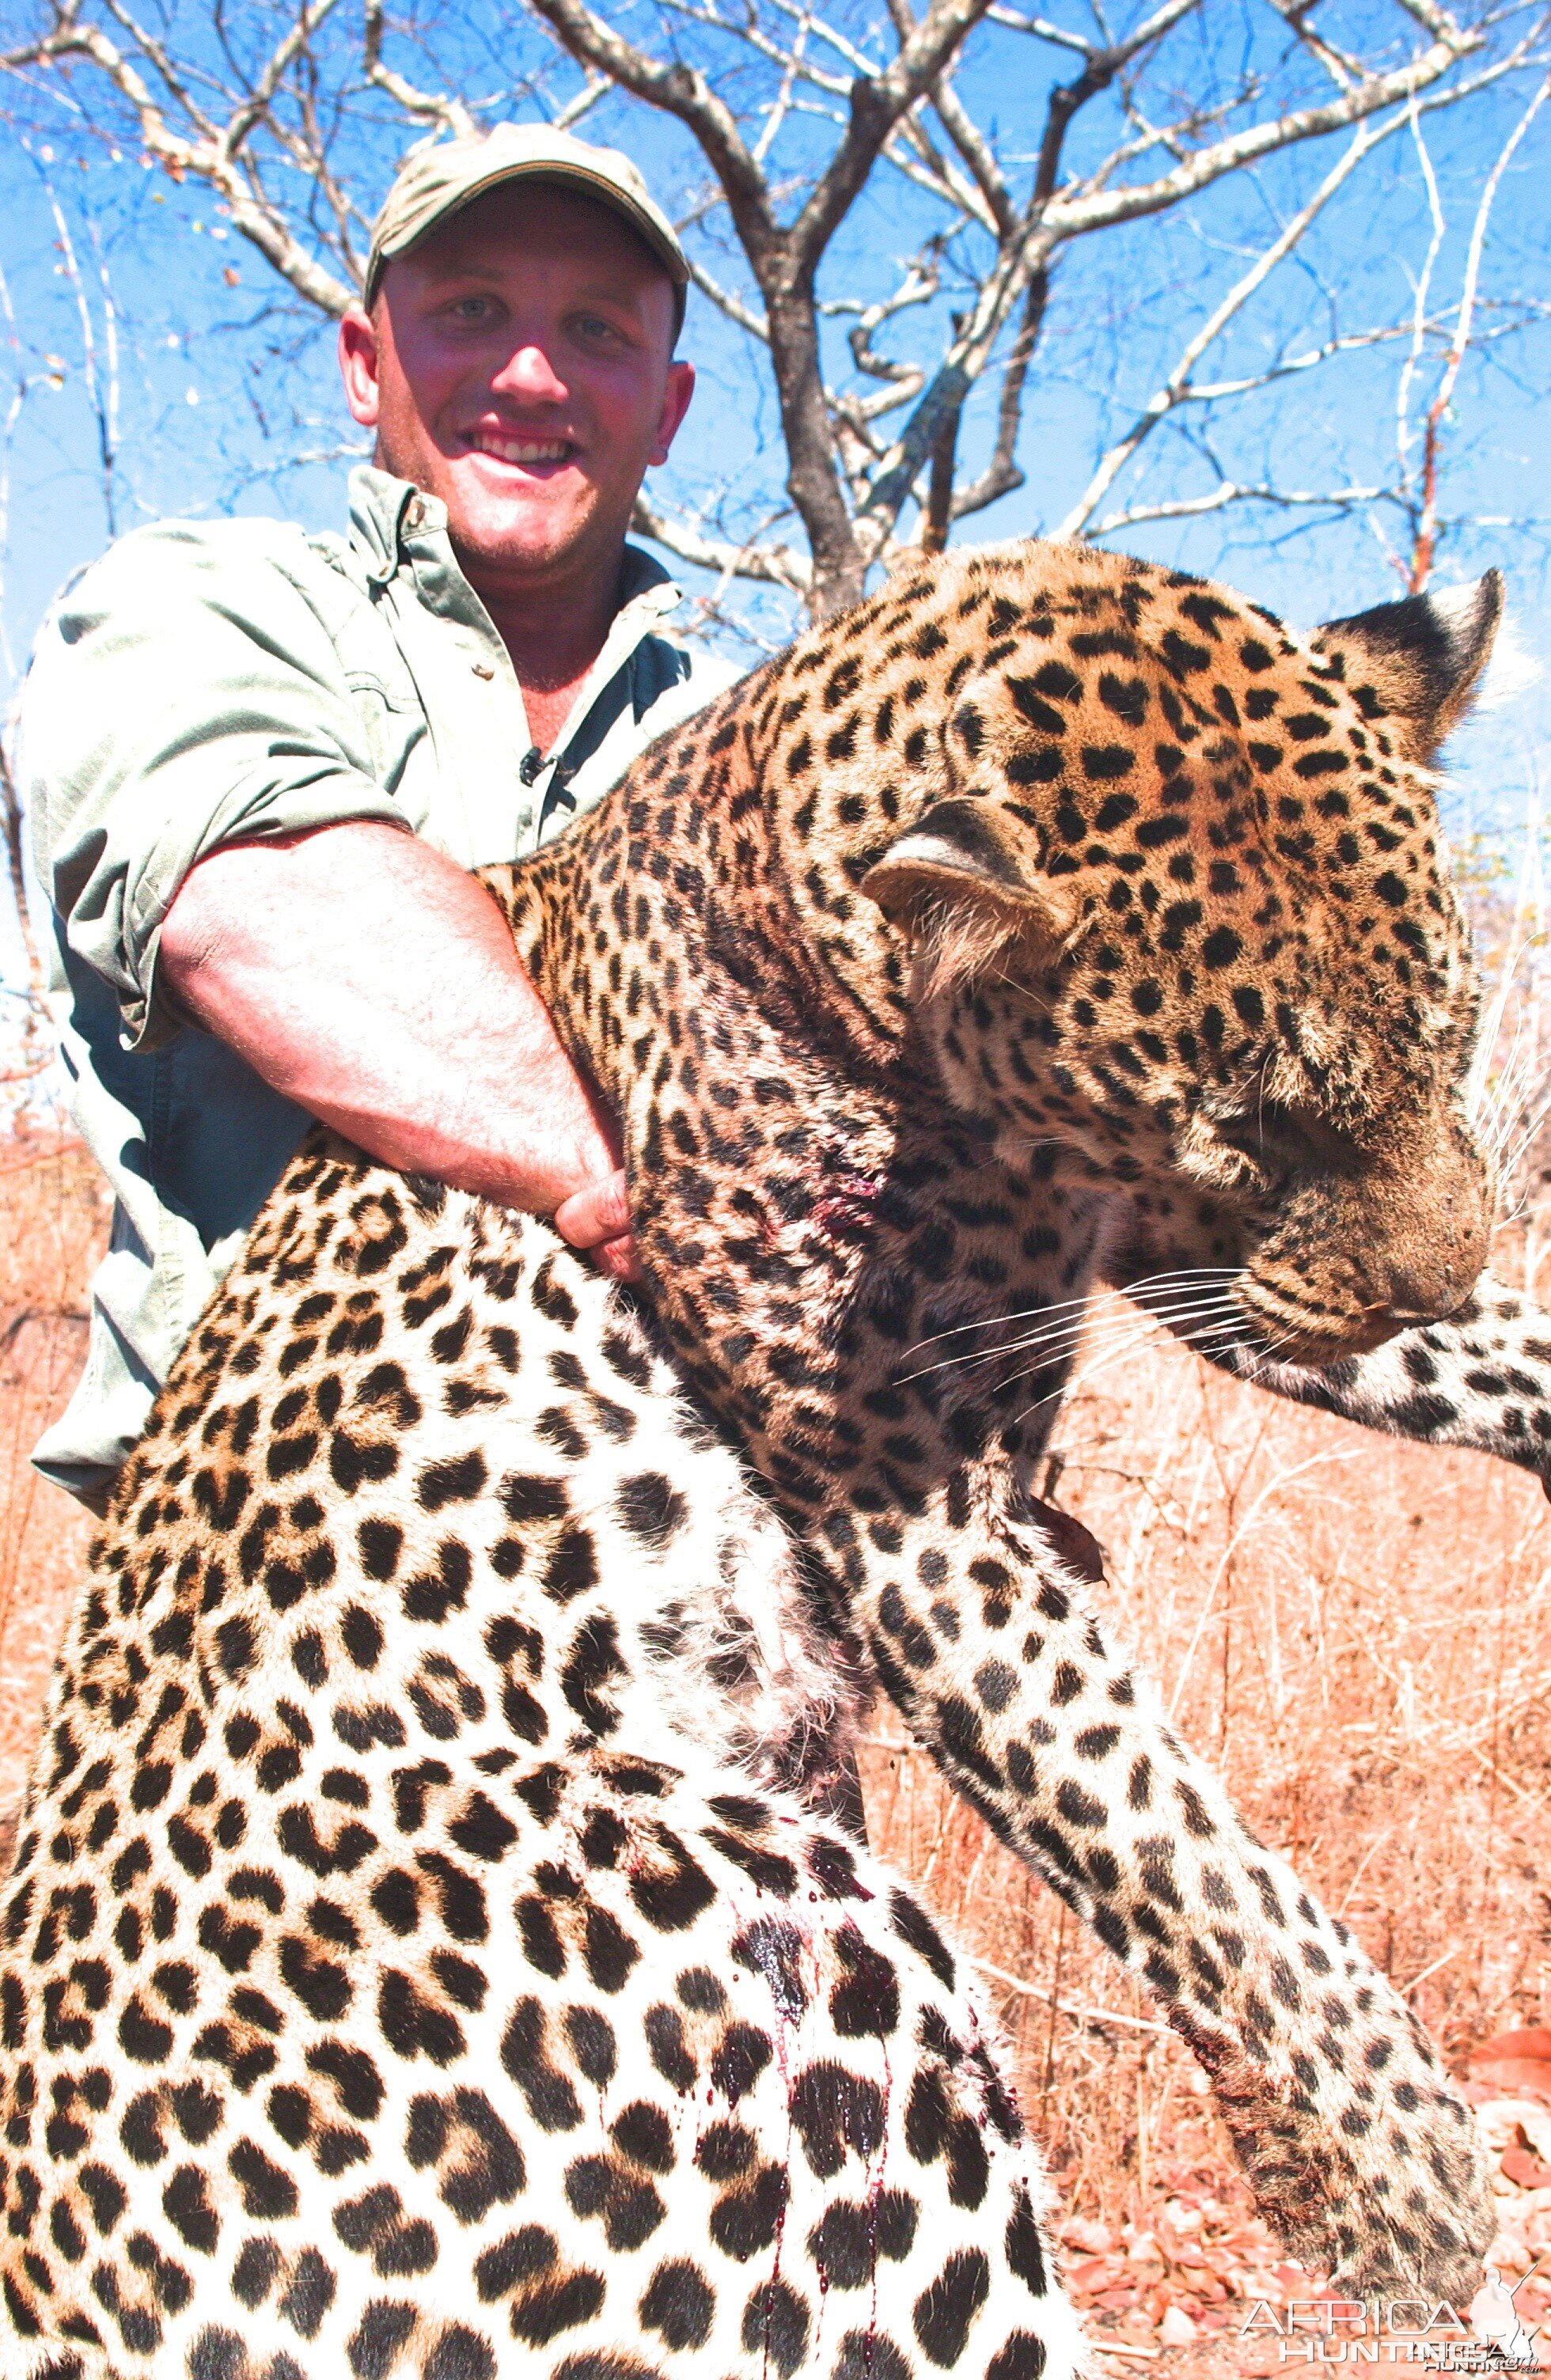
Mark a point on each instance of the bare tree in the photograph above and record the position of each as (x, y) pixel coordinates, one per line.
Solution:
(28, 1065)
(1003, 140)
(1418, 486)
(25, 1043)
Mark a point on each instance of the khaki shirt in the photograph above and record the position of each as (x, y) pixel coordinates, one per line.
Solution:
(210, 683)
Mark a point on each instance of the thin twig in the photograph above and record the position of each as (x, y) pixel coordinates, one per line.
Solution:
(1176, 387)
(1068, 2008)
(1425, 544)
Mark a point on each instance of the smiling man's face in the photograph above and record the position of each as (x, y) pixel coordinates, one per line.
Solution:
(518, 364)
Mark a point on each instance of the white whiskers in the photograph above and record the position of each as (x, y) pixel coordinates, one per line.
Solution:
(1181, 1301)
(1217, 1328)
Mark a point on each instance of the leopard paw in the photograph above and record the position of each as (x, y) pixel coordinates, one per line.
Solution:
(1382, 2187)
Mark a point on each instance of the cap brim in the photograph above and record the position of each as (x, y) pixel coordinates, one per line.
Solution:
(577, 177)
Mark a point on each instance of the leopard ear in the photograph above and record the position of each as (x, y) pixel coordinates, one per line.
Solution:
(955, 883)
(1418, 662)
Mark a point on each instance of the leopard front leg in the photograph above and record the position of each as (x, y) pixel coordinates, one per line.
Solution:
(1357, 2148)
(793, 1297)
(1481, 1379)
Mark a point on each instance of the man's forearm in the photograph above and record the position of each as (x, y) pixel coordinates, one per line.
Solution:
(364, 975)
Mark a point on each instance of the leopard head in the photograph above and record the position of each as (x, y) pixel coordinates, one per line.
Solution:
(1179, 910)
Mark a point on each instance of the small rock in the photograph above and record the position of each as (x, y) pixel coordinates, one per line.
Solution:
(1511, 2076)
(1515, 2123)
(1176, 2329)
(1090, 2239)
(1525, 2041)
(1508, 2253)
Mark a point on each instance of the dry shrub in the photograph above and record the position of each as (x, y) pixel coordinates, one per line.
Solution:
(52, 1229)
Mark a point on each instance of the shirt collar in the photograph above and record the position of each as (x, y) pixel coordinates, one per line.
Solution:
(378, 504)
(389, 516)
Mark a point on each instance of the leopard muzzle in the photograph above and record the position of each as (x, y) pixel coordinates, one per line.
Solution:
(1352, 1259)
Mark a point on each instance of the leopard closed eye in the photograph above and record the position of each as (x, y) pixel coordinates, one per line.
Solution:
(428, 1951)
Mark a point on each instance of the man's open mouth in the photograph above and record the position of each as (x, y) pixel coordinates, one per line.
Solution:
(509, 448)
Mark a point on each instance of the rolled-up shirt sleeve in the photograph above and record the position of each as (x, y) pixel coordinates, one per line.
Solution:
(186, 694)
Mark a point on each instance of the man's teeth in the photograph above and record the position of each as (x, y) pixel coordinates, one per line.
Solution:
(521, 450)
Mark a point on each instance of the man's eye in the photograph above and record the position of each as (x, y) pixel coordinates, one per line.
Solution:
(471, 309)
(592, 326)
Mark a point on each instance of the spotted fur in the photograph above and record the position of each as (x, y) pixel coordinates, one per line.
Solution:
(436, 1946)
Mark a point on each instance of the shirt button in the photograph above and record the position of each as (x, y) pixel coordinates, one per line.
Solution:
(414, 518)
(483, 669)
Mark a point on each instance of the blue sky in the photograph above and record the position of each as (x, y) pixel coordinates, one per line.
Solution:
(228, 398)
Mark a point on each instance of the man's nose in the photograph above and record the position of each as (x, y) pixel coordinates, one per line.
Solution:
(528, 373)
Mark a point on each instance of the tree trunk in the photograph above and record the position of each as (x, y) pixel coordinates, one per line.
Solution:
(813, 479)
(940, 493)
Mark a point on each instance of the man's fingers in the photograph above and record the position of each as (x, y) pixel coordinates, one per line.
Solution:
(617, 1259)
(598, 1219)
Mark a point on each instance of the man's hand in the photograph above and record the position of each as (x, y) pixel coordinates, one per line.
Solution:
(364, 975)
(598, 1219)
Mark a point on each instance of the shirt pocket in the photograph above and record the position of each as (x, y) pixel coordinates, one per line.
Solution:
(392, 720)
(381, 692)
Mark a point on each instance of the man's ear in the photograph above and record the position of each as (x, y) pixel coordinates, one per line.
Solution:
(1419, 662)
(955, 883)
(359, 362)
(676, 394)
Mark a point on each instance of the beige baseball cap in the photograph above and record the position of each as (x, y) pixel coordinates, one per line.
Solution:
(443, 177)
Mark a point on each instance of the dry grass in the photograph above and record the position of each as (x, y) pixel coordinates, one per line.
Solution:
(1357, 1633)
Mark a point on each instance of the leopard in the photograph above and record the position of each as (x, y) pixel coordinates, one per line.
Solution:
(442, 1940)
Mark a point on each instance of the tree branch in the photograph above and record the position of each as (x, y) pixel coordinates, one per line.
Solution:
(679, 90)
(256, 107)
(1231, 492)
(582, 103)
(1002, 474)
(1419, 304)
(1099, 72)
(876, 104)
(1022, 264)
(775, 566)
(910, 150)
(1053, 220)
(1001, 216)
(206, 156)
(940, 486)
(449, 115)
(923, 279)
(1041, 29)
(1072, 219)
(1425, 544)
(727, 303)
(1343, 69)
(1176, 388)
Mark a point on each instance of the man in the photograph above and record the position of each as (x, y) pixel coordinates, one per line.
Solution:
(259, 764)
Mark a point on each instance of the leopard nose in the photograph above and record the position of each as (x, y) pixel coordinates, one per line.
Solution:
(1435, 1258)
